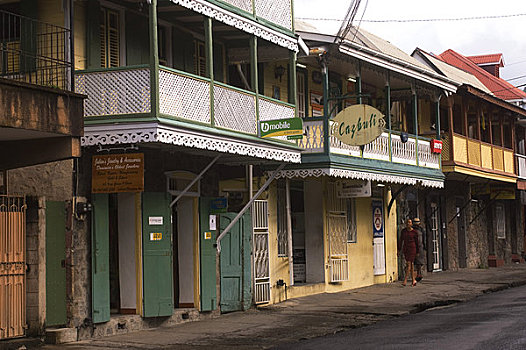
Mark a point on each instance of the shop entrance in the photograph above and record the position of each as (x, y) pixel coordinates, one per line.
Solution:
(184, 252)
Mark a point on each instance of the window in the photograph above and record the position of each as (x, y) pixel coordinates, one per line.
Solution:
(500, 221)
(110, 41)
(200, 59)
(351, 220)
(506, 130)
(458, 120)
(472, 125)
(484, 128)
(495, 130)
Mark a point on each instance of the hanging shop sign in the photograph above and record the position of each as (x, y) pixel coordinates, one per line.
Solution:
(378, 219)
(291, 127)
(114, 173)
(353, 189)
(436, 146)
(358, 125)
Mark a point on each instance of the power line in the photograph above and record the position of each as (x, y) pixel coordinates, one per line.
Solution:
(419, 20)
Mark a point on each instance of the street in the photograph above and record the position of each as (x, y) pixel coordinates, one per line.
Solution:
(492, 321)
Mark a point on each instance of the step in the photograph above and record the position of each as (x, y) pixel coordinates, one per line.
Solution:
(60, 335)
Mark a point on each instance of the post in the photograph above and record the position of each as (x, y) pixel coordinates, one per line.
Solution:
(209, 53)
(388, 111)
(437, 123)
(292, 80)
(154, 60)
(359, 83)
(415, 119)
(326, 131)
(289, 233)
(254, 74)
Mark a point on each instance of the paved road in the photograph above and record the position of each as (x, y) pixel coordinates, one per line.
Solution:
(493, 321)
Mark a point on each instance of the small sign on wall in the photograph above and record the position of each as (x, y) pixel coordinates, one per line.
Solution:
(436, 146)
(155, 220)
(156, 236)
(378, 219)
(353, 189)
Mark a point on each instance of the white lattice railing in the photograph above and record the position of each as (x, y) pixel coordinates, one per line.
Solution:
(275, 11)
(425, 157)
(312, 141)
(378, 149)
(235, 109)
(403, 152)
(521, 165)
(115, 92)
(183, 96)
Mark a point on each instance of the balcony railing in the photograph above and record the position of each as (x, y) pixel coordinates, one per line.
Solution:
(34, 52)
(479, 154)
(275, 11)
(184, 96)
(521, 165)
(387, 147)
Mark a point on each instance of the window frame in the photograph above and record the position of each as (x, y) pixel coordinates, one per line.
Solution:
(105, 6)
(352, 228)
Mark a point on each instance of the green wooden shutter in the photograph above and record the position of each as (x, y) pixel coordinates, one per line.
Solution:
(100, 259)
(93, 19)
(208, 258)
(55, 270)
(137, 39)
(157, 255)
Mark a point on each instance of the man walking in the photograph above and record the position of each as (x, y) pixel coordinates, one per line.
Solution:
(420, 257)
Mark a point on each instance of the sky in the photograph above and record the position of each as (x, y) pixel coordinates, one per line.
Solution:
(468, 37)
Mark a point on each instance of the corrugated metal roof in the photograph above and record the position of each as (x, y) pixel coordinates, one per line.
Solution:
(454, 73)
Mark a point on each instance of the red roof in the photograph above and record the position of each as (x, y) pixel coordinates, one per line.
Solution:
(495, 58)
(500, 87)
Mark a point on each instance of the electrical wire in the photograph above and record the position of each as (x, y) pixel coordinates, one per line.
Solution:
(419, 20)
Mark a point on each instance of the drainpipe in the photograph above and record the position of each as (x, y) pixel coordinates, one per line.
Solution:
(289, 233)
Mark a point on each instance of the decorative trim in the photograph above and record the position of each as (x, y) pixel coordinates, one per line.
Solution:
(154, 132)
(239, 22)
(361, 175)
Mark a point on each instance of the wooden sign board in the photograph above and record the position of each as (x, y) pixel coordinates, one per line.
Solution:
(114, 173)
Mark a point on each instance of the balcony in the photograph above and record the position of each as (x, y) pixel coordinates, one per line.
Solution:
(478, 155)
(388, 147)
(276, 12)
(34, 52)
(195, 100)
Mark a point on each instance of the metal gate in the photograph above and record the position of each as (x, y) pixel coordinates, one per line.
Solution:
(435, 236)
(12, 266)
(261, 256)
(337, 222)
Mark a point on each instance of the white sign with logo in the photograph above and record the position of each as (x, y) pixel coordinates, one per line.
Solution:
(353, 189)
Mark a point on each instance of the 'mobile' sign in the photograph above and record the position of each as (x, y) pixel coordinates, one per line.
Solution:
(291, 127)
(358, 125)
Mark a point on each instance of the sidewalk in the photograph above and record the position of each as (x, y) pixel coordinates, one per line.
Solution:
(316, 315)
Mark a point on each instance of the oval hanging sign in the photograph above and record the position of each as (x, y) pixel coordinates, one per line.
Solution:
(358, 125)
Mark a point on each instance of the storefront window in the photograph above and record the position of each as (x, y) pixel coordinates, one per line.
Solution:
(351, 220)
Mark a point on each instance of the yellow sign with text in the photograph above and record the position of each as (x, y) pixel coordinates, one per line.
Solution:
(358, 125)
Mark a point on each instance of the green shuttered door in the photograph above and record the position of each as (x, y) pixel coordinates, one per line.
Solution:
(236, 283)
(157, 255)
(55, 270)
(207, 257)
(100, 259)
